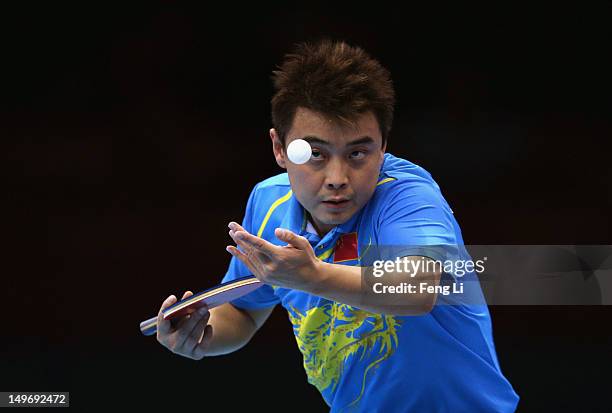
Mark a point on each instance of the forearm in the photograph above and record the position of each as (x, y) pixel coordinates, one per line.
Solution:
(295, 266)
(346, 284)
(232, 329)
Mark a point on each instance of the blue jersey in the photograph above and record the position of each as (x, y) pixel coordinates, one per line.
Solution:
(443, 361)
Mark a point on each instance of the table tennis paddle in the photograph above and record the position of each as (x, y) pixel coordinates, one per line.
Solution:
(211, 297)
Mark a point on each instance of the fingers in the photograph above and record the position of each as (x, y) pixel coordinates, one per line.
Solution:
(167, 327)
(238, 254)
(164, 326)
(292, 238)
(199, 351)
(248, 253)
(246, 241)
(190, 333)
(247, 259)
(235, 226)
(176, 322)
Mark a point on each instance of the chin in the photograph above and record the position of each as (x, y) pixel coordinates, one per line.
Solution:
(335, 219)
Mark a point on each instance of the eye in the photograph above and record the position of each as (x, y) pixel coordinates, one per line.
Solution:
(357, 155)
(316, 154)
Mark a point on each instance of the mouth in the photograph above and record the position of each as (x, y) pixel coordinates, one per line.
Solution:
(336, 203)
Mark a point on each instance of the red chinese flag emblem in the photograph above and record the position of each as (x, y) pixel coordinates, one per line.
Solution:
(346, 248)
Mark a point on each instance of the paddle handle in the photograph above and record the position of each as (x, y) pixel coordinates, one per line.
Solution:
(149, 327)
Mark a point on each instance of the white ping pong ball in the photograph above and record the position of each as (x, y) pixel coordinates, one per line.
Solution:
(299, 151)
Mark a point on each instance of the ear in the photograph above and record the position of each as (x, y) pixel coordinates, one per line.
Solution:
(278, 149)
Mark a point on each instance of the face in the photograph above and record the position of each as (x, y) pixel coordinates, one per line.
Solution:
(342, 173)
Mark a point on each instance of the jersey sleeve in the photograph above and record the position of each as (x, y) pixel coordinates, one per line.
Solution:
(263, 296)
(415, 220)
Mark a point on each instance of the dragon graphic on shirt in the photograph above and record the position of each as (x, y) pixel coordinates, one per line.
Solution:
(329, 334)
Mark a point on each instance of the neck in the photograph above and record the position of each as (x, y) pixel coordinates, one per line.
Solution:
(322, 229)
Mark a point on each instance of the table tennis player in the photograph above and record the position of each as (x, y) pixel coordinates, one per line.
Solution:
(304, 235)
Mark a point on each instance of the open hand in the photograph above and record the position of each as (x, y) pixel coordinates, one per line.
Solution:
(292, 266)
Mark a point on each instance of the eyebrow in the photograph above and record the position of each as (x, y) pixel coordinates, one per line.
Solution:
(321, 141)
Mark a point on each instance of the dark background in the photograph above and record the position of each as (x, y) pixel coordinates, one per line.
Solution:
(134, 134)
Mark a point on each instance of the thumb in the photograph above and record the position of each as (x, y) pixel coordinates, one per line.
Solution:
(292, 238)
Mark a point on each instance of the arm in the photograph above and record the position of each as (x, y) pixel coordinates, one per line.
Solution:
(416, 218)
(295, 266)
(357, 287)
(233, 327)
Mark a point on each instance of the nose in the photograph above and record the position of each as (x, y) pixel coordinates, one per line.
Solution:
(336, 175)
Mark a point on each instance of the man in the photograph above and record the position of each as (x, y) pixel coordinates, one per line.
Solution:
(306, 234)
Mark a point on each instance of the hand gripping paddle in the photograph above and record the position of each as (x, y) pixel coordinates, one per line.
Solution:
(211, 298)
